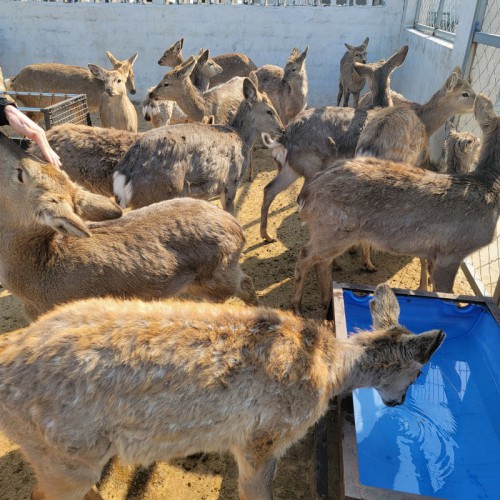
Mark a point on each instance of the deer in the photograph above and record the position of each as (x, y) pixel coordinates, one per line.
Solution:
(116, 110)
(221, 101)
(350, 82)
(287, 88)
(161, 112)
(50, 254)
(461, 153)
(66, 79)
(318, 134)
(89, 154)
(232, 64)
(401, 133)
(195, 159)
(402, 209)
(149, 381)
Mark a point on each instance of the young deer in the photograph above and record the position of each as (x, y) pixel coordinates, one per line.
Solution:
(350, 82)
(232, 64)
(402, 133)
(66, 79)
(306, 146)
(461, 153)
(152, 381)
(403, 209)
(89, 154)
(286, 88)
(195, 159)
(49, 255)
(222, 101)
(116, 110)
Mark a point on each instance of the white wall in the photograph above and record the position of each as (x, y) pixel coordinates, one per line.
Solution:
(80, 33)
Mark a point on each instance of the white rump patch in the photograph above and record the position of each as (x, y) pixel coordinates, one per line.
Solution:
(122, 190)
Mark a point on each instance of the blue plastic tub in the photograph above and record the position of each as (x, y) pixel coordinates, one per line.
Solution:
(444, 441)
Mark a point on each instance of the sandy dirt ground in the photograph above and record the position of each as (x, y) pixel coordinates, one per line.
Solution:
(271, 266)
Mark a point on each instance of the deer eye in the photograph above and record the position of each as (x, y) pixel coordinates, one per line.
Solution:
(165, 84)
(20, 175)
(119, 81)
(465, 94)
(269, 112)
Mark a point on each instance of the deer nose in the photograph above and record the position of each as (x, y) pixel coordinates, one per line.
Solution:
(159, 62)
(282, 130)
(133, 91)
(150, 95)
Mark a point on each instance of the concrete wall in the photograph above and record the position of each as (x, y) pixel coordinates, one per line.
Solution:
(80, 33)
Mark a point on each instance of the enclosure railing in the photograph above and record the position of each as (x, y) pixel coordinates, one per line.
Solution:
(284, 3)
(438, 17)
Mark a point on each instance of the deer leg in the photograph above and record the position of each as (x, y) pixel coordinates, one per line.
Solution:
(255, 474)
(424, 279)
(250, 163)
(324, 277)
(366, 260)
(227, 198)
(341, 92)
(247, 291)
(285, 177)
(311, 254)
(346, 98)
(355, 99)
(443, 275)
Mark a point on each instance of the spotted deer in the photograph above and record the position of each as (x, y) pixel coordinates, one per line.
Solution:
(151, 381)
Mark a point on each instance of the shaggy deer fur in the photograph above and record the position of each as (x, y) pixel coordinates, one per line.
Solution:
(350, 82)
(399, 208)
(154, 381)
(286, 88)
(232, 64)
(306, 146)
(49, 255)
(116, 110)
(55, 77)
(89, 154)
(195, 159)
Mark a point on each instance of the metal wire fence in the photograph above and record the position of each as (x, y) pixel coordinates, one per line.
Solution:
(484, 265)
(284, 3)
(438, 17)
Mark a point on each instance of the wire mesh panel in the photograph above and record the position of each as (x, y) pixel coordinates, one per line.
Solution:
(438, 17)
(484, 265)
(72, 110)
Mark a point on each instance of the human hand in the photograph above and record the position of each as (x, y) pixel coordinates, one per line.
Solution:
(28, 128)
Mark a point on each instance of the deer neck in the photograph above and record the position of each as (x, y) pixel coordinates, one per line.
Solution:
(242, 123)
(434, 113)
(191, 101)
(352, 367)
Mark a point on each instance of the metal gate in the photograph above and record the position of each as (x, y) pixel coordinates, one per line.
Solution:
(483, 67)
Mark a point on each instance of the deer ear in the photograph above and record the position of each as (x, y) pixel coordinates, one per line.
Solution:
(114, 61)
(249, 90)
(365, 43)
(303, 54)
(133, 58)
(363, 70)
(384, 307)
(97, 71)
(184, 70)
(95, 207)
(452, 80)
(397, 59)
(203, 57)
(254, 79)
(422, 347)
(350, 48)
(178, 45)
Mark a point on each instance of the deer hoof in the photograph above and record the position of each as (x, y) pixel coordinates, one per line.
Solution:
(369, 268)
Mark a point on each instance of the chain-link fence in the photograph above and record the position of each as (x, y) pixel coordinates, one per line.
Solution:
(483, 267)
(438, 17)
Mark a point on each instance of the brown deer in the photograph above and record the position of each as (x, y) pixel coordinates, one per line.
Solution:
(306, 146)
(149, 381)
(115, 110)
(49, 255)
(89, 154)
(403, 209)
(350, 82)
(402, 133)
(66, 79)
(232, 64)
(195, 159)
(287, 88)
